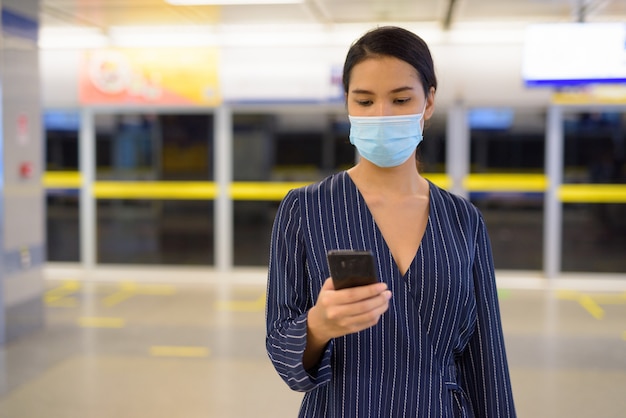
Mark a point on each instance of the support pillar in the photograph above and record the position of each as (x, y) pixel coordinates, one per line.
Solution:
(458, 148)
(553, 209)
(22, 198)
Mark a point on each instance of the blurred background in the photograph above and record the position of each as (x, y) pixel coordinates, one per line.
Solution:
(159, 137)
(246, 98)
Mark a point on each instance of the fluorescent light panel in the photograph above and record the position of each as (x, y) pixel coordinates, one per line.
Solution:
(72, 37)
(229, 2)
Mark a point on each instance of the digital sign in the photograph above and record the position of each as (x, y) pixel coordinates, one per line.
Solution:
(567, 54)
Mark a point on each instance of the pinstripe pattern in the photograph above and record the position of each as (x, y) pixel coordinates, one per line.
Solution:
(437, 352)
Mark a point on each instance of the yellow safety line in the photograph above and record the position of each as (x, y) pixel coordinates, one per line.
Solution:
(205, 190)
(593, 193)
(568, 294)
(59, 296)
(585, 301)
(62, 179)
(610, 299)
(591, 306)
(241, 305)
(491, 182)
(178, 351)
(117, 298)
(277, 190)
(262, 190)
(101, 322)
(440, 179)
(183, 190)
(129, 289)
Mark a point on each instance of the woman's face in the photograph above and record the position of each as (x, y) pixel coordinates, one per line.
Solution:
(386, 86)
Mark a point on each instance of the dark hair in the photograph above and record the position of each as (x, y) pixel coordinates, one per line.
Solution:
(394, 42)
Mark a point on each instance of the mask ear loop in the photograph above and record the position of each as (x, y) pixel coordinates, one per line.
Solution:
(423, 116)
(424, 109)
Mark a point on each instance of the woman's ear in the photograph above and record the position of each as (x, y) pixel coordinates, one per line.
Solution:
(430, 104)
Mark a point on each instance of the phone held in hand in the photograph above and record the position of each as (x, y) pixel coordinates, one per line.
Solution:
(349, 268)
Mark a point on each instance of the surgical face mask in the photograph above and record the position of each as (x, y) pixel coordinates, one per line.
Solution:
(386, 141)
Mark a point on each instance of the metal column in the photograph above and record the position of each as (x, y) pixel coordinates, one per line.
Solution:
(223, 161)
(458, 148)
(553, 210)
(2, 315)
(87, 213)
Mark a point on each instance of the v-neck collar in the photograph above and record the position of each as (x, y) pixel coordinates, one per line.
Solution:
(378, 232)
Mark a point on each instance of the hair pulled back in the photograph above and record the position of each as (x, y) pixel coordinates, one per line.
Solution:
(394, 42)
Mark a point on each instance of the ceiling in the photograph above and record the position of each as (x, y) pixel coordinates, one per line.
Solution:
(103, 14)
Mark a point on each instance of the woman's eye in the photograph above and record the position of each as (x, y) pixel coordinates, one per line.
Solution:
(402, 100)
(364, 102)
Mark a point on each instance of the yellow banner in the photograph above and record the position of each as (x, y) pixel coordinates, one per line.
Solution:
(609, 94)
(159, 76)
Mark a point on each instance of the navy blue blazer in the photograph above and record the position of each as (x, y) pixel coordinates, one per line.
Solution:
(437, 352)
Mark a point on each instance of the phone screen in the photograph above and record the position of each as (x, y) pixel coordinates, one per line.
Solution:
(349, 268)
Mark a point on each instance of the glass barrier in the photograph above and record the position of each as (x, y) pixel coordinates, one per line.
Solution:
(61, 138)
(594, 237)
(154, 182)
(594, 177)
(154, 146)
(61, 128)
(506, 182)
(62, 226)
(273, 153)
(149, 170)
(155, 232)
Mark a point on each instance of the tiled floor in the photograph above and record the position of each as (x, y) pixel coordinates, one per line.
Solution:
(137, 343)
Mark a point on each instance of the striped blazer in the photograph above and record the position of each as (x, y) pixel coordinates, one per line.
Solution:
(437, 352)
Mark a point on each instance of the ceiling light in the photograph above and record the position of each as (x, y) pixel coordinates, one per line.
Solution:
(229, 2)
(161, 36)
(72, 37)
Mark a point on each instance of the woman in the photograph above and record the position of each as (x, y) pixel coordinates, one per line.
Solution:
(427, 340)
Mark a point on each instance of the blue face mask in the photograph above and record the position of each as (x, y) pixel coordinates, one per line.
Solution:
(386, 141)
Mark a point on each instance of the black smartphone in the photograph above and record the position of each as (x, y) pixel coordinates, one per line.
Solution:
(350, 268)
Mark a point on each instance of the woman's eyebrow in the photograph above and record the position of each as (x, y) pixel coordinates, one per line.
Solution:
(396, 90)
(401, 89)
(361, 91)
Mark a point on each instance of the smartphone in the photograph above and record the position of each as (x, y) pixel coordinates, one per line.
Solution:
(349, 268)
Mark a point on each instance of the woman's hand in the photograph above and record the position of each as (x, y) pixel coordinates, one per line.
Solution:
(342, 312)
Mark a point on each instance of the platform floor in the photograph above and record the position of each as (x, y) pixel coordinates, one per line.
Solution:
(124, 343)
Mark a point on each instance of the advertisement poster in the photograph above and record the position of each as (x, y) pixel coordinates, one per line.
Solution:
(176, 76)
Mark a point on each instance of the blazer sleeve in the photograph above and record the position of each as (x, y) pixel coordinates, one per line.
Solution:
(288, 302)
(484, 367)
